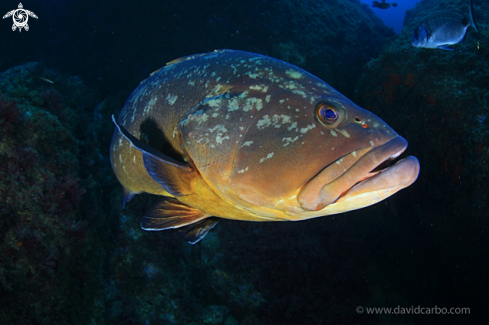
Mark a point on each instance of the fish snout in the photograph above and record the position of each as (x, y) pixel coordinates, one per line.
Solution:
(363, 183)
(420, 37)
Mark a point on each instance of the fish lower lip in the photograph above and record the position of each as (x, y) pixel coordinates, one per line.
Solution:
(385, 165)
(366, 167)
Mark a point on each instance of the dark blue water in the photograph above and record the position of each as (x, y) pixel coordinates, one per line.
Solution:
(393, 16)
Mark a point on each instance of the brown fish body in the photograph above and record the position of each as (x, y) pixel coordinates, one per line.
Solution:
(243, 136)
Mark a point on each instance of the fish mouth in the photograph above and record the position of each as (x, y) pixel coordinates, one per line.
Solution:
(365, 181)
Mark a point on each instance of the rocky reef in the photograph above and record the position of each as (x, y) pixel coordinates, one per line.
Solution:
(46, 159)
(437, 99)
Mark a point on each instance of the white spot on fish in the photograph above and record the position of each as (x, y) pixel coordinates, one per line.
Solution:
(289, 140)
(293, 74)
(376, 125)
(243, 170)
(264, 122)
(292, 126)
(171, 99)
(134, 159)
(299, 92)
(267, 99)
(270, 155)
(309, 127)
(220, 139)
(344, 133)
(372, 143)
(247, 143)
(253, 102)
(354, 153)
(333, 133)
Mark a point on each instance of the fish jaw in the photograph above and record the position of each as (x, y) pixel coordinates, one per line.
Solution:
(360, 185)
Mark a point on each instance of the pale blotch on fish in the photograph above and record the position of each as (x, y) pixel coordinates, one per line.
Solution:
(150, 106)
(372, 143)
(243, 170)
(253, 102)
(294, 74)
(259, 87)
(276, 121)
(263, 123)
(247, 143)
(309, 127)
(270, 155)
(344, 133)
(289, 140)
(171, 99)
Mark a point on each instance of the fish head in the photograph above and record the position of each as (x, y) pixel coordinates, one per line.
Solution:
(323, 160)
(282, 141)
(420, 36)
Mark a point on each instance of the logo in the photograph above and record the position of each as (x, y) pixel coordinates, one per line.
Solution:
(20, 17)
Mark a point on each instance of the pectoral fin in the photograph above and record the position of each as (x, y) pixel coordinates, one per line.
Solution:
(195, 232)
(171, 213)
(172, 175)
(445, 47)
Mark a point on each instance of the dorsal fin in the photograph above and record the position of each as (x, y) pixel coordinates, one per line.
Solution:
(172, 175)
(171, 213)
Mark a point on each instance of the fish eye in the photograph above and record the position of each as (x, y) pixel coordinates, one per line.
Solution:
(329, 114)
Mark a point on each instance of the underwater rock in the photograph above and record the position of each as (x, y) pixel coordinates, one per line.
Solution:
(43, 228)
(214, 314)
(439, 101)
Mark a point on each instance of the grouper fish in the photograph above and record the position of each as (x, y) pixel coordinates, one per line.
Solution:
(238, 135)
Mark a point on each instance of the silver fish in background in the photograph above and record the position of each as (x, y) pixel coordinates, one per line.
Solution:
(443, 28)
(383, 4)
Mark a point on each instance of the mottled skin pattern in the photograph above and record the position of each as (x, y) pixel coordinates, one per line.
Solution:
(246, 124)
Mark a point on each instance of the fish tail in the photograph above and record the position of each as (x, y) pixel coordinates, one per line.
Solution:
(472, 18)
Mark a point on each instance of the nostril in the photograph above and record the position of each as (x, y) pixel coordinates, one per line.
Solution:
(362, 122)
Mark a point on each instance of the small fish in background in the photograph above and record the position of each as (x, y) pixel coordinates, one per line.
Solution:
(443, 28)
(383, 4)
